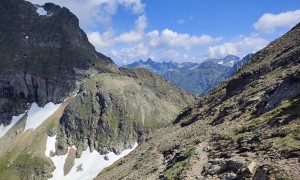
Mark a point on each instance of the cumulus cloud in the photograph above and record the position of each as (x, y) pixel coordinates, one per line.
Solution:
(136, 34)
(240, 47)
(139, 51)
(169, 39)
(268, 23)
(91, 12)
(101, 40)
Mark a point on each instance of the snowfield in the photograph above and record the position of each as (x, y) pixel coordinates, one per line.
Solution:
(37, 115)
(41, 11)
(91, 163)
(15, 119)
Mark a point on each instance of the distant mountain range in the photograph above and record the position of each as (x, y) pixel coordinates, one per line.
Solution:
(197, 78)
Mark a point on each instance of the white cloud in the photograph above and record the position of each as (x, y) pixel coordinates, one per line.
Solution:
(136, 34)
(222, 50)
(268, 23)
(139, 51)
(91, 12)
(102, 40)
(169, 39)
(240, 47)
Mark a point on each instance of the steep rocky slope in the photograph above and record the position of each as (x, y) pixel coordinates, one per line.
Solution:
(42, 57)
(247, 128)
(112, 112)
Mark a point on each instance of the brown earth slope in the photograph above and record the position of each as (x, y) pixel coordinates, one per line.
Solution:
(247, 128)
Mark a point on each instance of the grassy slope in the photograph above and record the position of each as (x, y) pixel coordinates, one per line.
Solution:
(116, 111)
(22, 155)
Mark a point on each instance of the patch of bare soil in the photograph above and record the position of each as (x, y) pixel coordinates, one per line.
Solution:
(69, 163)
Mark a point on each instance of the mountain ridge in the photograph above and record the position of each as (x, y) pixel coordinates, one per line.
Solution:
(246, 128)
(197, 78)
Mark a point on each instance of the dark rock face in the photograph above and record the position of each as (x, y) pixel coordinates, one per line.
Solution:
(42, 56)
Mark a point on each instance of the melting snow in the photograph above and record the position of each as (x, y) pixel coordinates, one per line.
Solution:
(76, 93)
(221, 62)
(91, 163)
(194, 67)
(15, 119)
(50, 145)
(37, 115)
(41, 11)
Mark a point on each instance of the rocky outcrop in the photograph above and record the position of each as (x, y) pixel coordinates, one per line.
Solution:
(112, 112)
(42, 57)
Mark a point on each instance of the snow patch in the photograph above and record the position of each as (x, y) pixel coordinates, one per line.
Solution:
(76, 93)
(37, 115)
(90, 163)
(231, 63)
(42, 12)
(221, 62)
(50, 145)
(14, 120)
(192, 68)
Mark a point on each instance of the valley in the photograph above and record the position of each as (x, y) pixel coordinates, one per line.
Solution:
(68, 111)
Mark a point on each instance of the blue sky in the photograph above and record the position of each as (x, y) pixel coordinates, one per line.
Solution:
(181, 30)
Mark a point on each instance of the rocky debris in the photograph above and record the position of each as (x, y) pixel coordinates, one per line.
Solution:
(269, 172)
(52, 154)
(291, 154)
(106, 158)
(250, 168)
(220, 167)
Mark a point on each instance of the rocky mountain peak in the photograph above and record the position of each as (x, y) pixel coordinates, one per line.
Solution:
(43, 57)
(149, 60)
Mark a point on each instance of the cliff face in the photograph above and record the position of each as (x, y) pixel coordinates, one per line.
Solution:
(247, 128)
(42, 57)
(112, 112)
